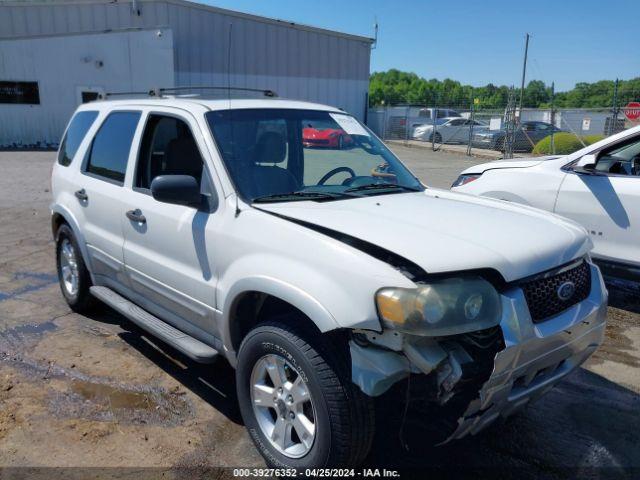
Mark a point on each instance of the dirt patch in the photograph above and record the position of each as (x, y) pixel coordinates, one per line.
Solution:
(617, 348)
(93, 400)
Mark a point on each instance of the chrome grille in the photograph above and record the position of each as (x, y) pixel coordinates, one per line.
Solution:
(542, 294)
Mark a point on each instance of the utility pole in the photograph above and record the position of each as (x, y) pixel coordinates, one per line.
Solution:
(524, 73)
(553, 116)
(615, 110)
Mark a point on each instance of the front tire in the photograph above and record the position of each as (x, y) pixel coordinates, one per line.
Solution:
(297, 399)
(73, 275)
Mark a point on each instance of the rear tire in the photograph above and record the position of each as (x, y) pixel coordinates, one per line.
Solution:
(342, 416)
(73, 276)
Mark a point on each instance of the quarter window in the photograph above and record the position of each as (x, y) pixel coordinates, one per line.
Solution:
(111, 145)
(76, 132)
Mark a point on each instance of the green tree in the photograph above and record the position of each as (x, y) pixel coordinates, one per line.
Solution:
(395, 87)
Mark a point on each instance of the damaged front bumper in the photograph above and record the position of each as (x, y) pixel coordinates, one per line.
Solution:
(532, 358)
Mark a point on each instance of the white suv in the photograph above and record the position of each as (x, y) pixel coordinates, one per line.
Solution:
(326, 277)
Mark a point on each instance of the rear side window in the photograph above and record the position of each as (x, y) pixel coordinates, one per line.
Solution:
(111, 145)
(76, 132)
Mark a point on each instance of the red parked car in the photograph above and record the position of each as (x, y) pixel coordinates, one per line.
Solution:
(315, 136)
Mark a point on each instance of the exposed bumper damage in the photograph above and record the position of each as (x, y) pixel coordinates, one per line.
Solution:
(506, 368)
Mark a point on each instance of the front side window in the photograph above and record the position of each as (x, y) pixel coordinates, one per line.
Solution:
(167, 148)
(78, 128)
(621, 160)
(110, 147)
(288, 154)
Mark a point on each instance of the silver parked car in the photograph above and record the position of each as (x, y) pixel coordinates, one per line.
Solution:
(447, 130)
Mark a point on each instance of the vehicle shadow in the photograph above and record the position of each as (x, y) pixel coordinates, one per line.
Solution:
(585, 427)
(607, 197)
(625, 297)
(214, 383)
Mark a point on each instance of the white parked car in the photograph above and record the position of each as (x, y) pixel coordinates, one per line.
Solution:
(598, 187)
(324, 277)
(448, 130)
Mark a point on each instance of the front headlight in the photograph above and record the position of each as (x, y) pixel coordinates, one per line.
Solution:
(465, 178)
(442, 307)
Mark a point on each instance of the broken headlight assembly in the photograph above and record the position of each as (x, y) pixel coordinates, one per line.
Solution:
(441, 307)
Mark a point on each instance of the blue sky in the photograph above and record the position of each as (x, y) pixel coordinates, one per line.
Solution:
(477, 42)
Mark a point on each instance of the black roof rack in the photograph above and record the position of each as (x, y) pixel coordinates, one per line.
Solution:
(161, 92)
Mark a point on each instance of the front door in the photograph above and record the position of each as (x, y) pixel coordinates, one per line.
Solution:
(167, 249)
(607, 203)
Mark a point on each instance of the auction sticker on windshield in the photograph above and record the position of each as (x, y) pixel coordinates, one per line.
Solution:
(349, 124)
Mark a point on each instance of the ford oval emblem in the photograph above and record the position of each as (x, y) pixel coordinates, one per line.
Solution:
(566, 291)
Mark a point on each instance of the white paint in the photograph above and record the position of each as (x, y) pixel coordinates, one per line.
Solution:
(608, 206)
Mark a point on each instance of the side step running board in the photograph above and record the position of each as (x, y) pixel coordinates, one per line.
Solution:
(188, 345)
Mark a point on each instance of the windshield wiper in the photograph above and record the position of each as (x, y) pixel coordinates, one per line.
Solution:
(382, 186)
(279, 197)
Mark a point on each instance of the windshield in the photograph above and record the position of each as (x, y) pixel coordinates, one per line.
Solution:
(288, 155)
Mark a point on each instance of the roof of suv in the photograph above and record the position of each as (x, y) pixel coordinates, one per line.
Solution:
(211, 104)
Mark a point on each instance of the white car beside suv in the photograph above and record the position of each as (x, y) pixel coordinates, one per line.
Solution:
(326, 278)
(597, 186)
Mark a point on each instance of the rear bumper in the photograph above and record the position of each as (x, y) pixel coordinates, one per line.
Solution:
(536, 356)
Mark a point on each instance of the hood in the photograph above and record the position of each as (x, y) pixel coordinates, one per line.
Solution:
(443, 231)
(510, 163)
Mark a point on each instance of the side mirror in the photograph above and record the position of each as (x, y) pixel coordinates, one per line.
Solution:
(176, 189)
(588, 162)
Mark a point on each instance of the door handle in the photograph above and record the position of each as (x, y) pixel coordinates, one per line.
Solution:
(136, 216)
(82, 195)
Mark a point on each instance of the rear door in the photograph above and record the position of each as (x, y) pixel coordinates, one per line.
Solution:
(168, 256)
(99, 193)
(608, 204)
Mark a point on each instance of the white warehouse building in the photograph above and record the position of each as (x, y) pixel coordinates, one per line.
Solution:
(55, 55)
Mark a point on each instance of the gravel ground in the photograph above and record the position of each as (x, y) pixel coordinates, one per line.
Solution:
(79, 391)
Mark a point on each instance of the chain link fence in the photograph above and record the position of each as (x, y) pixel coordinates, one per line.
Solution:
(504, 131)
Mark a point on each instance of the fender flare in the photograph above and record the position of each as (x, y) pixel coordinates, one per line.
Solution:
(73, 224)
(287, 292)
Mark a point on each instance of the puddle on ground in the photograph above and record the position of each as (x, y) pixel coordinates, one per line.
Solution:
(95, 399)
(74, 394)
(35, 281)
(18, 338)
(112, 396)
(30, 329)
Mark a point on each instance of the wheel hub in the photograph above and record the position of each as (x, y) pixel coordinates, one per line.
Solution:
(69, 267)
(283, 406)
